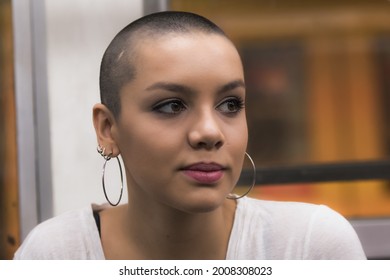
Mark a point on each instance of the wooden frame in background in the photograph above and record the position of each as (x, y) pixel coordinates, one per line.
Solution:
(9, 210)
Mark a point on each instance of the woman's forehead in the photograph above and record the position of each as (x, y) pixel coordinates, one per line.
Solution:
(185, 48)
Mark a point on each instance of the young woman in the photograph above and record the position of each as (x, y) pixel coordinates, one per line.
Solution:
(173, 94)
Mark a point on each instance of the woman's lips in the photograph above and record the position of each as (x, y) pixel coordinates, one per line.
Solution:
(204, 173)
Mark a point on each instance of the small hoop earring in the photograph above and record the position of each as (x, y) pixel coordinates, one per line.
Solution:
(107, 158)
(102, 151)
(236, 196)
(99, 149)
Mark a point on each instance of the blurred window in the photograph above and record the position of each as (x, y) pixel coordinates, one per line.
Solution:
(318, 97)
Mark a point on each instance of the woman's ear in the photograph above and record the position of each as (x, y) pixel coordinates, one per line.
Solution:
(104, 123)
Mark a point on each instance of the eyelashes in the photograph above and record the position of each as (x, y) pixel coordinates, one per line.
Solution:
(230, 106)
(170, 107)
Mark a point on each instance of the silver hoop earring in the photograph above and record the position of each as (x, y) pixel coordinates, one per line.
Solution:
(107, 158)
(236, 196)
(102, 151)
(99, 149)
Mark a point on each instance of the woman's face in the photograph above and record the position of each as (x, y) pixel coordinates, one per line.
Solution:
(182, 129)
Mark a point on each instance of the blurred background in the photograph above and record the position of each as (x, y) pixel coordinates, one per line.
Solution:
(318, 104)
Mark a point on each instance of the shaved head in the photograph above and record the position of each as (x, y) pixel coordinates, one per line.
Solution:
(118, 66)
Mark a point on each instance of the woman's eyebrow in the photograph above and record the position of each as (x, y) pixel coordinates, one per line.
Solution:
(231, 86)
(173, 87)
(178, 88)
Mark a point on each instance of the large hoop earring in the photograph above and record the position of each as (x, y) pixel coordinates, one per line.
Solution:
(236, 196)
(101, 151)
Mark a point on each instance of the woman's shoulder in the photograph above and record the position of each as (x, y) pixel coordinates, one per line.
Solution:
(316, 231)
(268, 209)
(71, 235)
(294, 216)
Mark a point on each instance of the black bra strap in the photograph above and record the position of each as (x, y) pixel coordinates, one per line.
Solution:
(97, 220)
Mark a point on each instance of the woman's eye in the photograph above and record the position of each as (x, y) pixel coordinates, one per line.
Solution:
(170, 107)
(231, 106)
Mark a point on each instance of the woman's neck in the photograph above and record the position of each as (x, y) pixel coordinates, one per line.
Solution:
(134, 231)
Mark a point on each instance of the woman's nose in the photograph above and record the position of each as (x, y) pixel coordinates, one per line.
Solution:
(206, 133)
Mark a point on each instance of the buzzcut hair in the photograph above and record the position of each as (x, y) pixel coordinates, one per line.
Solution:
(118, 66)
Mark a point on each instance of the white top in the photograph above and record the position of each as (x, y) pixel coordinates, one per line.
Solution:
(261, 230)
